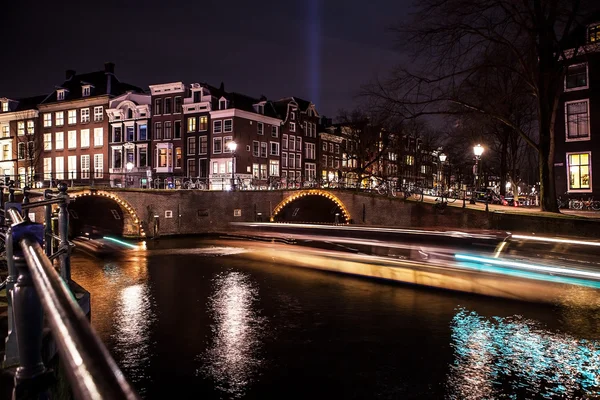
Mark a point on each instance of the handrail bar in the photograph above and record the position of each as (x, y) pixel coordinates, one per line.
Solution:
(15, 216)
(91, 370)
(40, 203)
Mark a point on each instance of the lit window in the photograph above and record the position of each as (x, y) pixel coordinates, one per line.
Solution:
(47, 141)
(162, 157)
(577, 120)
(72, 167)
(98, 137)
(30, 127)
(203, 123)
(579, 171)
(594, 33)
(47, 169)
(85, 165)
(85, 139)
(98, 113)
(72, 117)
(4, 106)
(72, 139)
(191, 124)
(5, 131)
(60, 168)
(85, 115)
(60, 118)
(47, 120)
(60, 140)
(98, 165)
(21, 128)
(273, 167)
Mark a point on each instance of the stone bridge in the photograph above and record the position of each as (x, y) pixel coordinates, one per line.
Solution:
(148, 213)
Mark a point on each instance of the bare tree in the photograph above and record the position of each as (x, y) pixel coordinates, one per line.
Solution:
(453, 41)
(366, 143)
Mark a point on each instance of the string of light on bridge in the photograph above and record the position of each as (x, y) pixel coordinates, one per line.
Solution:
(313, 192)
(124, 204)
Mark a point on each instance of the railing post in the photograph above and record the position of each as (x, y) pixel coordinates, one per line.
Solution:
(2, 219)
(11, 353)
(28, 314)
(26, 200)
(63, 233)
(48, 239)
(11, 192)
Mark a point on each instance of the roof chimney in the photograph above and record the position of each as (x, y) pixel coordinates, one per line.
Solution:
(222, 87)
(109, 68)
(69, 74)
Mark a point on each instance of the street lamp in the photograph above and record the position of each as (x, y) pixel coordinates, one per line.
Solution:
(478, 151)
(231, 145)
(442, 177)
(129, 167)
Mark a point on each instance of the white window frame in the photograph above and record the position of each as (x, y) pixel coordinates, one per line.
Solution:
(47, 168)
(217, 126)
(260, 128)
(59, 140)
(59, 118)
(274, 145)
(84, 141)
(47, 120)
(98, 137)
(568, 174)
(72, 139)
(72, 167)
(292, 127)
(587, 78)
(84, 115)
(59, 173)
(72, 117)
(586, 138)
(99, 166)
(84, 164)
(227, 129)
(47, 141)
(98, 113)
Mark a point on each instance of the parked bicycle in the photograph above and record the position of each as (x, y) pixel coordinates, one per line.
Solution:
(194, 183)
(386, 188)
(589, 204)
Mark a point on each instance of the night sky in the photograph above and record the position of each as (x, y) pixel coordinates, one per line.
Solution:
(320, 50)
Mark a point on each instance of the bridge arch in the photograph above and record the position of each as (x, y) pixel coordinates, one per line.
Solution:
(132, 224)
(296, 198)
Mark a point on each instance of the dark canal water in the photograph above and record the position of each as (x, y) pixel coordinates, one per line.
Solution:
(206, 319)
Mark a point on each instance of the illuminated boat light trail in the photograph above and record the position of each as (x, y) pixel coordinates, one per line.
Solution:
(556, 240)
(523, 270)
(121, 242)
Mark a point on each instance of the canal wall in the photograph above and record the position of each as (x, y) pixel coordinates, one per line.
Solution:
(184, 212)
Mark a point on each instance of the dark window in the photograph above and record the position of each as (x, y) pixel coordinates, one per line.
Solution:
(157, 106)
(117, 134)
(158, 130)
(168, 105)
(203, 173)
(177, 133)
(577, 76)
(178, 104)
(197, 97)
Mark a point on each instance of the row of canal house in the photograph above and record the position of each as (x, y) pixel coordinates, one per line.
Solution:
(194, 127)
(94, 129)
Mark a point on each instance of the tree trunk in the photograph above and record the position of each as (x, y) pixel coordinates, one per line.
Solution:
(503, 160)
(546, 156)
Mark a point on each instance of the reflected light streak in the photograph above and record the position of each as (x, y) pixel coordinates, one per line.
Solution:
(232, 359)
(133, 326)
(516, 357)
(556, 240)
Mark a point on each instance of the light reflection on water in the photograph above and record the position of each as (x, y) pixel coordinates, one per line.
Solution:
(517, 357)
(232, 358)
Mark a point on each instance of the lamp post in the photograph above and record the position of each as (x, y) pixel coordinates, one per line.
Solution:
(231, 145)
(442, 177)
(129, 167)
(478, 151)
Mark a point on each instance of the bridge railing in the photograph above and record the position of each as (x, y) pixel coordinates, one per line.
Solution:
(36, 292)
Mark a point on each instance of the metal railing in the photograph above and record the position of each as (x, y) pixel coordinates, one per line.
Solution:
(36, 291)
